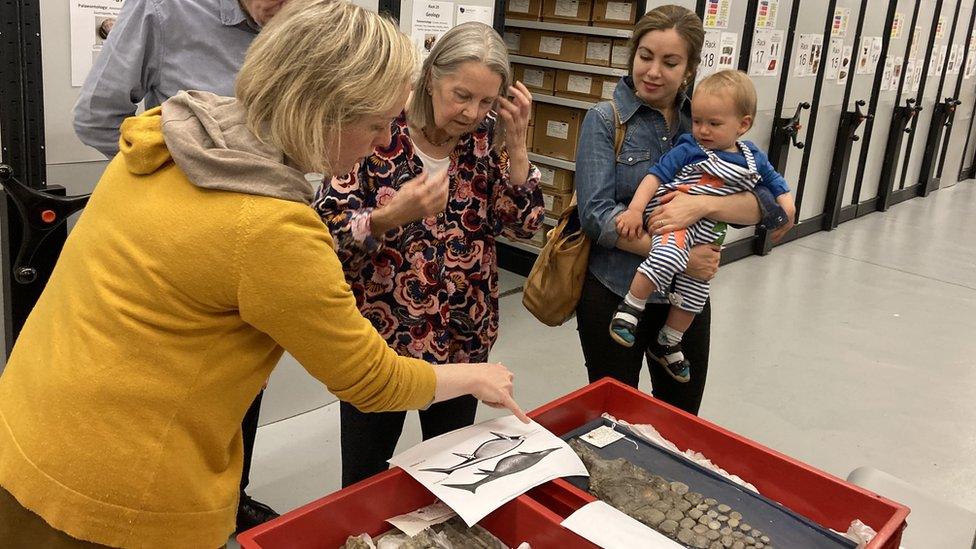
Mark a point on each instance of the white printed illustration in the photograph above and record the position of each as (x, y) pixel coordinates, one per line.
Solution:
(495, 447)
(506, 466)
(477, 469)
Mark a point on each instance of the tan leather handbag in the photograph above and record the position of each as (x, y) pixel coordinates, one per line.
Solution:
(553, 288)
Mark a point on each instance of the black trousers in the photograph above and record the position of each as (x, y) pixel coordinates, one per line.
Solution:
(605, 357)
(249, 430)
(369, 439)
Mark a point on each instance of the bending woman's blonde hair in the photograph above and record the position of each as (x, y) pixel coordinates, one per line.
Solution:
(317, 66)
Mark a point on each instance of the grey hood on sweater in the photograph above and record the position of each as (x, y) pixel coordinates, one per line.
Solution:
(208, 138)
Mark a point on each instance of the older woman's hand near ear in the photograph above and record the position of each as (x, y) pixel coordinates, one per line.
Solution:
(514, 114)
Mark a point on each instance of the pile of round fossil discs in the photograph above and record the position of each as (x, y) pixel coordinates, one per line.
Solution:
(669, 507)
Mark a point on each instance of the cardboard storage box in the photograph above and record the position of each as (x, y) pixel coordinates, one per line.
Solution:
(556, 203)
(537, 79)
(827, 500)
(620, 55)
(556, 131)
(513, 40)
(365, 506)
(555, 180)
(598, 51)
(579, 85)
(621, 15)
(558, 46)
(607, 86)
(529, 42)
(523, 9)
(567, 11)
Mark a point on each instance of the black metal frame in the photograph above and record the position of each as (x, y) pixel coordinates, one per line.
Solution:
(969, 172)
(955, 94)
(942, 115)
(858, 208)
(904, 193)
(850, 121)
(22, 135)
(900, 118)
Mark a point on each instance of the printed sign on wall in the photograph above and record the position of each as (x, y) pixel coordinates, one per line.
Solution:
(811, 54)
(898, 25)
(767, 52)
(839, 26)
(717, 14)
(845, 65)
(766, 14)
(431, 20)
(835, 57)
(718, 53)
(91, 22)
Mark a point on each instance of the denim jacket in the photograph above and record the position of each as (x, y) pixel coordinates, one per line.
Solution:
(605, 185)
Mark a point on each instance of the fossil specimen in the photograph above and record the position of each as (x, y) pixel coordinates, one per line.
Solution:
(453, 534)
(492, 448)
(508, 465)
(670, 507)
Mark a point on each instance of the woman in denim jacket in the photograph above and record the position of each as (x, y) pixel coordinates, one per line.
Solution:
(664, 54)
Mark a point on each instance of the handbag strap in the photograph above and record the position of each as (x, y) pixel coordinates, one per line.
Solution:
(620, 128)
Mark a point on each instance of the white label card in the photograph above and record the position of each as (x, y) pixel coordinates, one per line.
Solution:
(557, 129)
(534, 78)
(518, 6)
(599, 51)
(567, 8)
(603, 435)
(512, 40)
(580, 84)
(619, 11)
(620, 55)
(608, 87)
(551, 44)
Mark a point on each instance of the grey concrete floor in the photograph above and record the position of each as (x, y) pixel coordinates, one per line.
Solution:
(845, 348)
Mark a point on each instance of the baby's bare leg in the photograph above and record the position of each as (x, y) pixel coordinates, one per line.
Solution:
(641, 287)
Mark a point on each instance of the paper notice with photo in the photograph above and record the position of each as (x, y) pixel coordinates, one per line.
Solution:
(479, 14)
(478, 469)
(609, 528)
(415, 522)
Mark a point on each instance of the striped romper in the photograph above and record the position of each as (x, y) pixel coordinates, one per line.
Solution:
(668, 258)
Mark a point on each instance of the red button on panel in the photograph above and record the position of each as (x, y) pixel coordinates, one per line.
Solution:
(48, 216)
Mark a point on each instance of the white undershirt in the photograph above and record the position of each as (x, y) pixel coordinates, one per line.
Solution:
(433, 165)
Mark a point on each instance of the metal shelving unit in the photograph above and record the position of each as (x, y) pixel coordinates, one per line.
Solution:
(578, 67)
(608, 32)
(565, 102)
(550, 161)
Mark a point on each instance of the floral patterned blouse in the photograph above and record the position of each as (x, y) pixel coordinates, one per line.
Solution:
(430, 287)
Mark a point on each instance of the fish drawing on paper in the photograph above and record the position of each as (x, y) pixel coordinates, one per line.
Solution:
(506, 466)
(489, 449)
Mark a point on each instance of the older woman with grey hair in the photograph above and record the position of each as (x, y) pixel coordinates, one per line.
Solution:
(415, 226)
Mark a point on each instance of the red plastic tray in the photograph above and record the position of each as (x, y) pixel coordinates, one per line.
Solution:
(365, 506)
(821, 497)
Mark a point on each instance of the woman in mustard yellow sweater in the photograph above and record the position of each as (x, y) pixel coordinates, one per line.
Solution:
(197, 261)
